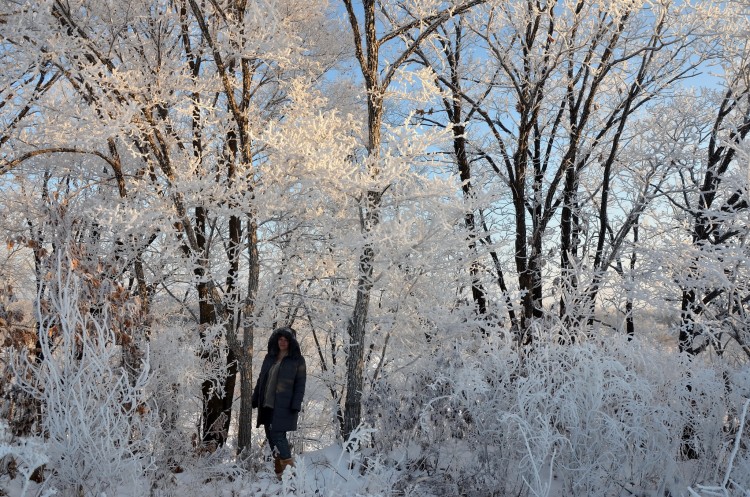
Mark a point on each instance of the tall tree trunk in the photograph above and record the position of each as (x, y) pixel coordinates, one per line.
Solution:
(357, 323)
(629, 310)
(459, 147)
(367, 50)
(454, 108)
(568, 245)
(138, 333)
(245, 355)
(525, 265)
(211, 423)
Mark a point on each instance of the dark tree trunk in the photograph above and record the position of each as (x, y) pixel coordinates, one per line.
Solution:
(367, 50)
(245, 357)
(212, 424)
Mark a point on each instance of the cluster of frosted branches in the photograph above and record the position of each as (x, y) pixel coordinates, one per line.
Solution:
(94, 419)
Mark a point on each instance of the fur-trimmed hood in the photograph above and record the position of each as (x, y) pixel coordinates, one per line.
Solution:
(290, 335)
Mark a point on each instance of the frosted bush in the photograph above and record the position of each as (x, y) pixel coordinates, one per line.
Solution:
(431, 416)
(610, 431)
(95, 419)
(25, 455)
(175, 387)
(593, 418)
(735, 478)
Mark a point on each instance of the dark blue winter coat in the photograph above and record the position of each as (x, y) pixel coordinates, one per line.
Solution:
(290, 386)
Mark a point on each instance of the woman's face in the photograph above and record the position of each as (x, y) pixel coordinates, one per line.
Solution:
(283, 344)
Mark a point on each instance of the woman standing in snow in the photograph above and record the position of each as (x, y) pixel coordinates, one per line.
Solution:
(278, 393)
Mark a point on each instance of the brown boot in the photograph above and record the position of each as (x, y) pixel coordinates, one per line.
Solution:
(277, 467)
(284, 464)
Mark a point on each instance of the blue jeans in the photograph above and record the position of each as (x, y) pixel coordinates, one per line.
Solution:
(278, 442)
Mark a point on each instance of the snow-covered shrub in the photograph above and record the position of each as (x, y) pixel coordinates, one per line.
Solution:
(94, 416)
(175, 390)
(735, 478)
(18, 461)
(430, 424)
(582, 416)
(591, 418)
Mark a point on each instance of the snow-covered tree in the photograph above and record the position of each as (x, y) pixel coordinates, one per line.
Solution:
(163, 102)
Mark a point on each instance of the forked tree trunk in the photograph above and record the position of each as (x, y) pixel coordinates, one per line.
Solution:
(376, 85)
